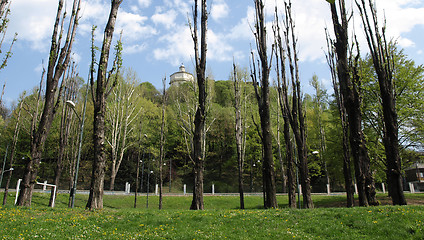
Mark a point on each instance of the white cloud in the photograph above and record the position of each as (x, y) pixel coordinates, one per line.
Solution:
(178, 47)
(132, 49)
(218, 48)
(219, 10)
(33, 21)
(76, 57)
(405, 42)
(242, 30)
(183, 6)
(166, 18)
(133, 26)
(144, 3)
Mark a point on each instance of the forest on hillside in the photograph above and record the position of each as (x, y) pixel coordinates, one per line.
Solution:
(257, 131)
(134, 110)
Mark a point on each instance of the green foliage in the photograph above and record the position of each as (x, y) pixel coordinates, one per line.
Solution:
(409, 87)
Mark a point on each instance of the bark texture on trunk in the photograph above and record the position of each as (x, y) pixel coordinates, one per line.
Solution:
(347, 171)
(65, 125)
(58, 62)
(291, 176)
(350, 91)
(384, 66)
(239, 133)
(95, 199)
(262, 95)
(162, 143)
(297, 115)
(199, 118)
(289, 118)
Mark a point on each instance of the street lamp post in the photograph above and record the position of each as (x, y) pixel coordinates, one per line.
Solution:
(4, 164)
(136, 181)
(148, 186)
(2, 172)
(170, 173)
(138, 174)
(81, 120)
(142, 175)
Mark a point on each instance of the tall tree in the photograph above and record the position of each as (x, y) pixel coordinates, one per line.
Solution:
(69, 93)
(58, 62)
(262, 95)
(282, 88)
(347, 172)
(95, 199)
(162, 143)
(350, 89)
(240, 133)
(295, 112)
(199, 119)
(319, 102)
(383, 60)
(121, 113)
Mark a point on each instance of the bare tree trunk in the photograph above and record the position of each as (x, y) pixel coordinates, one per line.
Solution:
(297, 116)
(365, 161)
(12, 152)
(384, 65)
(347, 172)
(291, 176)
(69, 94)
(280, 154)
(72, 155)
(282, 92)
(199, 119)
(95, 199)
(352, 103)
(282, 88)
(270, 191)
(58, 62)
(162, 144)
(239, 133)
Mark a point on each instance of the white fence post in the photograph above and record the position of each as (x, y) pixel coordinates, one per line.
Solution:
(18, 184)
(45, 186)
(127, 188)
(185, 189)
(156, 189)
(356, 189)
(383, 187)
(328, 189)
(411, 187)
(213, 189)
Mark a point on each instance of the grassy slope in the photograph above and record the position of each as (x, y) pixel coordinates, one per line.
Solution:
(223, 220)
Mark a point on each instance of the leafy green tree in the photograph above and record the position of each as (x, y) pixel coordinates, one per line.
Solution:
(122, 112)
(408, 84)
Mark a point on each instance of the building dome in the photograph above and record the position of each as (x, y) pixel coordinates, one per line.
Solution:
(181, 76)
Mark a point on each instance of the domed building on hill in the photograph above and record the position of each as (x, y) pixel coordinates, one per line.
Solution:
(181, 76)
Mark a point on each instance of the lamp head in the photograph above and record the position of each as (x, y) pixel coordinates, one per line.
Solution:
(70, 104)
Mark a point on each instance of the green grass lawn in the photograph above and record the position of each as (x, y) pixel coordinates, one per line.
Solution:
(222, 219)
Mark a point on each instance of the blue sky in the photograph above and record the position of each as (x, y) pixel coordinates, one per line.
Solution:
(157, 39)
